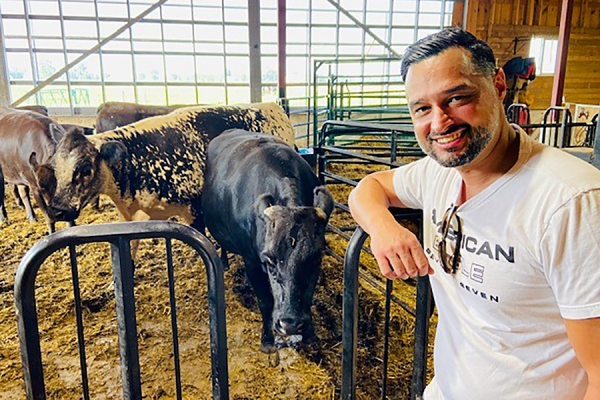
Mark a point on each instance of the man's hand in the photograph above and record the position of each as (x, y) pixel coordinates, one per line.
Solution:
(398, 252)
(396, 249)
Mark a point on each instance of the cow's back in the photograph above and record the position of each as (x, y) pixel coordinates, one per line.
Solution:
(268, 118)
(22, 133)
(112, 115)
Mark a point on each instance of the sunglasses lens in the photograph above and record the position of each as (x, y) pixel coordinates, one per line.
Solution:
(448, 250)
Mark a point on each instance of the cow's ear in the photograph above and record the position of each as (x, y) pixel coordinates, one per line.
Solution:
(323, 201)
(33, 160)
(46, 179)
(115, 155)
(57, 132)
(263, 202)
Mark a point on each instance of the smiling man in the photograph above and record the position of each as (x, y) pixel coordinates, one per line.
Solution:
(511, 234)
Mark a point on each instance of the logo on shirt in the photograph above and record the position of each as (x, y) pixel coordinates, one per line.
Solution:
(474, 272)
(479, 247)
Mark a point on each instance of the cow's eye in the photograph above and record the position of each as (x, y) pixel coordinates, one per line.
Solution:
(268, 259)
(86, 170)
(271, 262)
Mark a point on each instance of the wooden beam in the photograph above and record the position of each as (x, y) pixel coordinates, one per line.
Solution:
(491, 15)
(564, 33)
(516, 13)
(472, 15)
(458, 13)
(530, 11)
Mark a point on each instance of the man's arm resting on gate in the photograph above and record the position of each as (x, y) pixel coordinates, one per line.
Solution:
(396, 249)
(584, 335)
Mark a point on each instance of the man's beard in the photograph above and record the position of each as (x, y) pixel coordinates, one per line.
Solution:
(477, 139)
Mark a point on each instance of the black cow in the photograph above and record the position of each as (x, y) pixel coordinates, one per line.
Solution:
(261, 200)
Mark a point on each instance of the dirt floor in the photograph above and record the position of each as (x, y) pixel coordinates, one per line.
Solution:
(311, 372)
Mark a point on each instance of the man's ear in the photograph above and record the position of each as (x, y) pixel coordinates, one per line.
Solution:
(500, 83)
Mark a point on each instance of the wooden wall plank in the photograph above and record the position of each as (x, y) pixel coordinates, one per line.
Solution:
(530, 11)
(458, 10)
(516, 13)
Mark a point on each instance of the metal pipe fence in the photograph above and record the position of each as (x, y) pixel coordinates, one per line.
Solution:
(119, 236)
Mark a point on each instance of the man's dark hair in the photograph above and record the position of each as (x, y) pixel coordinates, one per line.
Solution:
(432, 45)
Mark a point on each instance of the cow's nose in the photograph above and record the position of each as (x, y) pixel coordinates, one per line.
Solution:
(288, 326)
(60, 214)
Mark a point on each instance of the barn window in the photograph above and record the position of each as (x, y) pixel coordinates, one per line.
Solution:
(544, 51)
(202, 44)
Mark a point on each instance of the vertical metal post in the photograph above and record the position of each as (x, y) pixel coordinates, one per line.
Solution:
(387, 64)
(443, 15)
(98, 34)
(255, 51)
(362, 55)
(350, 314)
(126, 320)
(565, 139)
(192, 22)
(393, 146)
(164, 56)
(29, 334)
(316, 65)
(32, 57)
(4, 77)
(79, 318)
(389, 286)
(281, 50)
(416, 31)
(173, 305)
(423, 312)
(424, 305)
(64, 43)
(224, 53)
(308, 59)
(596, 154)
(134, 70)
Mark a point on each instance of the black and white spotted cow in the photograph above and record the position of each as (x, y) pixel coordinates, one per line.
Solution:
(262, 200)
(154, 168)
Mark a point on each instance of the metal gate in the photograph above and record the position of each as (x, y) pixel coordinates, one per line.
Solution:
(119, 236)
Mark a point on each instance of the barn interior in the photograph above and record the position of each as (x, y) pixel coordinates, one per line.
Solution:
(333, 66)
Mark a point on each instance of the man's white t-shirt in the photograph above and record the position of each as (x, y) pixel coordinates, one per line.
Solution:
(530, 256)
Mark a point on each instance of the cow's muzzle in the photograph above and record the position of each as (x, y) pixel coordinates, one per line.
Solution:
(60, 214)
(288, 326)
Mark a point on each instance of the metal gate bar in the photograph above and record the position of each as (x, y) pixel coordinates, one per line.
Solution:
(350, 317)
(119, 236)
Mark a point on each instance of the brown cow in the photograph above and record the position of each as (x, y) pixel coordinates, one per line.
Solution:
(66, 127)
(28, 141)
(113, 114)
(21, 192)
(35, 108)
